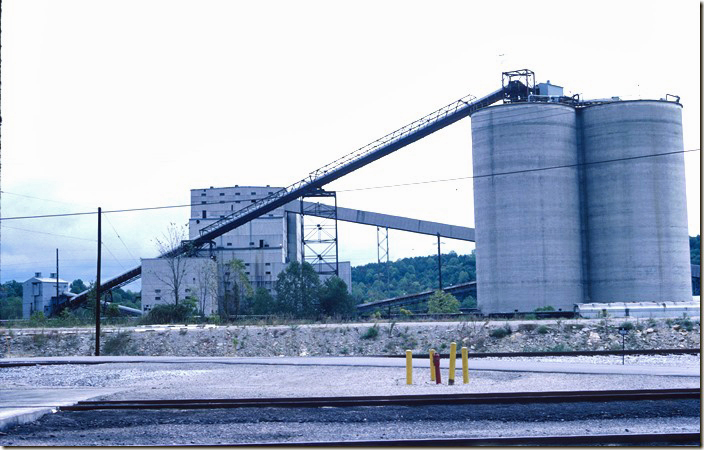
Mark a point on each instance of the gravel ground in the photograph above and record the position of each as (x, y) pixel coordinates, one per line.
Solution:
(211, 380)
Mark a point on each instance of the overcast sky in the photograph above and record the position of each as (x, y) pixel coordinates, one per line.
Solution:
(129, 104)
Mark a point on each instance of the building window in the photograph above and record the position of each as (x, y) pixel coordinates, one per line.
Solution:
(222, 194)
(267, 264)
(246, 264)
(237, 201)
(229, 244)
(204, 214)
(270, 192)
(237, 193)
(268, 273)
(254, 193)
(254, 201)
(202, 194)
(246, 273)
(158, 291)
(222, 217)
(203, 202)
(157, 298)
(188, 290)
(222, 201)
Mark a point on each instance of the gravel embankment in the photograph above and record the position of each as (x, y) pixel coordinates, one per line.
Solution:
(353, 339)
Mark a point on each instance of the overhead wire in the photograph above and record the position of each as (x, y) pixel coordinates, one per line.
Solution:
(537, 169)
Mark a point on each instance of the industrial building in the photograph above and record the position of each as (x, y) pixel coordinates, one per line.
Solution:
(607, 223)
(44, 294)
(266, 245)
(576, 201)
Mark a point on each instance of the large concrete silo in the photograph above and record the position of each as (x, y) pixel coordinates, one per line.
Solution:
(636, 211)
(528, 233)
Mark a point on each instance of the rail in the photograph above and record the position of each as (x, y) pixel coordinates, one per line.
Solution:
(396, 400)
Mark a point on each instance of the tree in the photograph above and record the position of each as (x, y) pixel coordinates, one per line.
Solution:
(11, 288)
(298, 290)
(334, 298)
(78, 286)
(695, 249)
(442, 303)
(11, 308)
(238, 289)
(206, 286)
(263, 302)
(177, 265)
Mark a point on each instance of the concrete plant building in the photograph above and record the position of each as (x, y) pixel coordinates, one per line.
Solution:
(266, 245)
(39, 294)
(606, 224)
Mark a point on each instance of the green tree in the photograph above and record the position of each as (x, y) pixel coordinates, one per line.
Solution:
(11, 288)
(78, 286)
(238, 289)
(11, 308)
(334, 298)
(442, 303)
(298, 291)
(263, 302)
(695, 245)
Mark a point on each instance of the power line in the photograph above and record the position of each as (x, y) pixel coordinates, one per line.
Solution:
(514, 172)
(519, 171)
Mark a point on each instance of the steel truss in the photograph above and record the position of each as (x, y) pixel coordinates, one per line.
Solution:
(319, 233)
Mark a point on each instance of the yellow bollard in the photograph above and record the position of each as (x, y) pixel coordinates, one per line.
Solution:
(465, 366)
(432, 365)
(409, 367)
(453, 357)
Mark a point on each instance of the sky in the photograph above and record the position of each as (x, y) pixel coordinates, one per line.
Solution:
(131, 104)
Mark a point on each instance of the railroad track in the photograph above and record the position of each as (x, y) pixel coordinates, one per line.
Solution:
(645, 439)
(397, 400)
(646, 352)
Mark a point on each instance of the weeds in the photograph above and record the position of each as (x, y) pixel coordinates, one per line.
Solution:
(501, 332)
(371, 333)
(542, 329)
(118, 344)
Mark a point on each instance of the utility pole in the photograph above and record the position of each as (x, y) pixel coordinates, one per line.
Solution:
(439, 265)
(57, 277)
(97, 294)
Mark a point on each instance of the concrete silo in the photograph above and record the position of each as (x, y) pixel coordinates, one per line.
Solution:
(528, 237)
(635, 211)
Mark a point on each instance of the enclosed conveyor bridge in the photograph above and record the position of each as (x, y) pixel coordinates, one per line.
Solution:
(512, 90)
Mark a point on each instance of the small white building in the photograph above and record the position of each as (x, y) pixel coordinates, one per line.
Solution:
(39, 294)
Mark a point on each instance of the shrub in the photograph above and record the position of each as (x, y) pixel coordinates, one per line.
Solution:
(37, 319)
(168, 314)
(544, 309)
(371, 333)
(501, 332)
(627, 326)
(542, 329)
(443, 303)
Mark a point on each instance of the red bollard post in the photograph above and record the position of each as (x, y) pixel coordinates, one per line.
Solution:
(436, 362)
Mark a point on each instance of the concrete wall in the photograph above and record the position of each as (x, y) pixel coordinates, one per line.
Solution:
(527, 223)
(636, 208)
